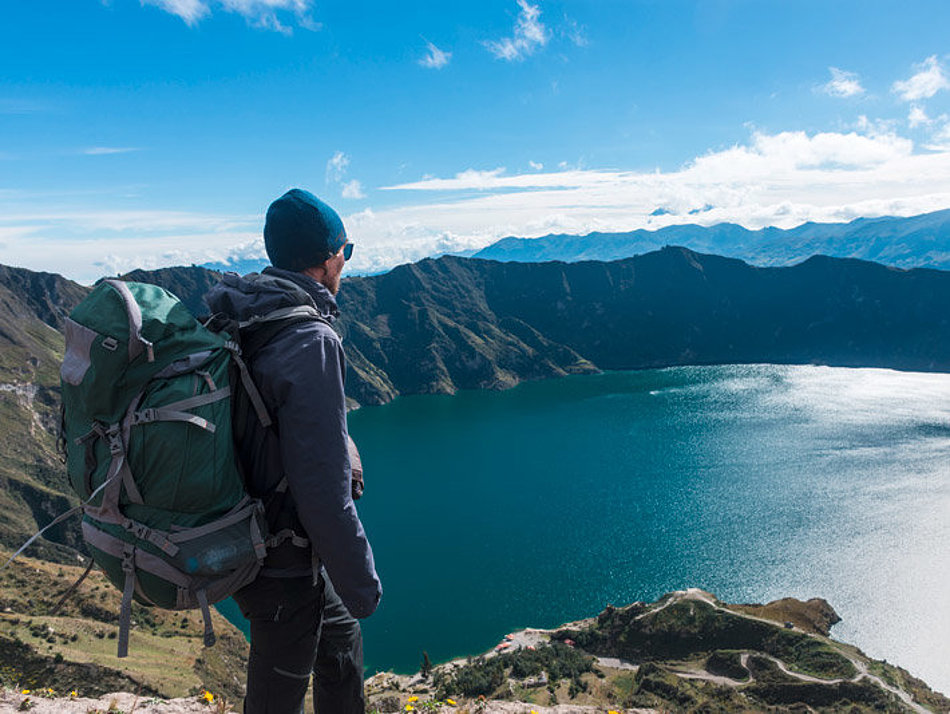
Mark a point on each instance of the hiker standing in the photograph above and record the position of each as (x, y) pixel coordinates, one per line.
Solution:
(320, 569)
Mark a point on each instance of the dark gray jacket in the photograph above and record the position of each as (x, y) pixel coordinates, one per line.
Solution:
(300, 374)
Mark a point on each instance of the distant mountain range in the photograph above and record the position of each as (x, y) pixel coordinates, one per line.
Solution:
(916, 242)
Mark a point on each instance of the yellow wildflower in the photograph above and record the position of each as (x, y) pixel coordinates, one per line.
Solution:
(74, 693)
(207, 696)
(613, 711)
(25, 691)
(450, 702)
(410, 708)
(413, 699)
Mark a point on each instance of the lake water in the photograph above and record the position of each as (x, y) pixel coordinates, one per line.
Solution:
(490, 511)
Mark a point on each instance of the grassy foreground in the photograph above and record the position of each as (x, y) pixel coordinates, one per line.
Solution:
(75, 650)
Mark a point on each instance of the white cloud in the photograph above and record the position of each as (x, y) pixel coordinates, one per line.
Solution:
(265, 14)
(918, 117)
(529, 35)
(780, 179)
(536, 165)
(940, 141)
(468, 179)
(191, 11)
(336, 167)
(842, 84)
(575, 33)
(353, 189)
(72, 241)
(876, 127)
(106, 150)
(929, 79)
(436, 58)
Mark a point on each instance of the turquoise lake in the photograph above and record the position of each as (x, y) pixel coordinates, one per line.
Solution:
(491, 511)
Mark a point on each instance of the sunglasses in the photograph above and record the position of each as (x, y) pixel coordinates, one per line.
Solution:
(347, 251)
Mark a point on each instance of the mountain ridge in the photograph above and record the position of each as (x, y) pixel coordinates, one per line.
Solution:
(908, 242)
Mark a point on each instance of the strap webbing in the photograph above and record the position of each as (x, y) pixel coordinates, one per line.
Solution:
(125, 612)
(251, 390)
(284, 535)
(234, 516)
(137, 343)
(144, 560)
(147, 416)
(156, 538)
(199, 400)
(62, 517)
(202, 596)
(283, 314)
(257, 538)
(72, 588)
(131, 490)
(59, 519)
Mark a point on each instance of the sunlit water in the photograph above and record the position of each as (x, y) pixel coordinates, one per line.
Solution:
(490, 511)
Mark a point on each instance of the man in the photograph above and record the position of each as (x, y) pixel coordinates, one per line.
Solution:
(300, 468)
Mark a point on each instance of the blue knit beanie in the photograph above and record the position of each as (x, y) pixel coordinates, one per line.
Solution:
(301, 231)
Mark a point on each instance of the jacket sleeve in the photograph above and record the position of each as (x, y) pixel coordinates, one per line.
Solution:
(311, 416)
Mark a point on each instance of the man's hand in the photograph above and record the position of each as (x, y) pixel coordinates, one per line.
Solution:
(356, 466)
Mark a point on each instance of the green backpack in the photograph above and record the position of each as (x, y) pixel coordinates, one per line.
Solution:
(147, 427)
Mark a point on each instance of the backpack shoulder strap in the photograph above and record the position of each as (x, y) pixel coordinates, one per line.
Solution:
(252, 335)
(261, 329)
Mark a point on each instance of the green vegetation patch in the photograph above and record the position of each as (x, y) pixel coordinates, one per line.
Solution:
(848, 696)
(727, 663)
(692, 627)
(484, 675)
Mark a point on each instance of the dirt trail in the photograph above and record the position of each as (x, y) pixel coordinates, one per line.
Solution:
(860, 666)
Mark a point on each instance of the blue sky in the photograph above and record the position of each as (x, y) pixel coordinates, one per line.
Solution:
(155, 132)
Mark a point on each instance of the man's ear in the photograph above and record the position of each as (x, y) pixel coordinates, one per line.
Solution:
(317, 272)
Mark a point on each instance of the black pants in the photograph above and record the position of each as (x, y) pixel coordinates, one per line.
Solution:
(298, 628)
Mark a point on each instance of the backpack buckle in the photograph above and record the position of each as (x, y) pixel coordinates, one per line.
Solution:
(116, 447)
(128, 559)
(139, 530)
(144, 416)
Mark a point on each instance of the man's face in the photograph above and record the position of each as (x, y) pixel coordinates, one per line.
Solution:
(334, 269)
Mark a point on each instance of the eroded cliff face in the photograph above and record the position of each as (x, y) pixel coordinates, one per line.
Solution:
(816, 615)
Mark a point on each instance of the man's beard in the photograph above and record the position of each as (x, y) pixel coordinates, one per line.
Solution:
(332, 283)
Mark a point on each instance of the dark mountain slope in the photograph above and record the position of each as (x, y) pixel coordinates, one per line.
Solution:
(32, 307)
(189, 284)
(457, 323)
(460, 323)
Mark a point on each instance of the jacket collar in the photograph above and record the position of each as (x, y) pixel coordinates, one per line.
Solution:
(322, 298)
